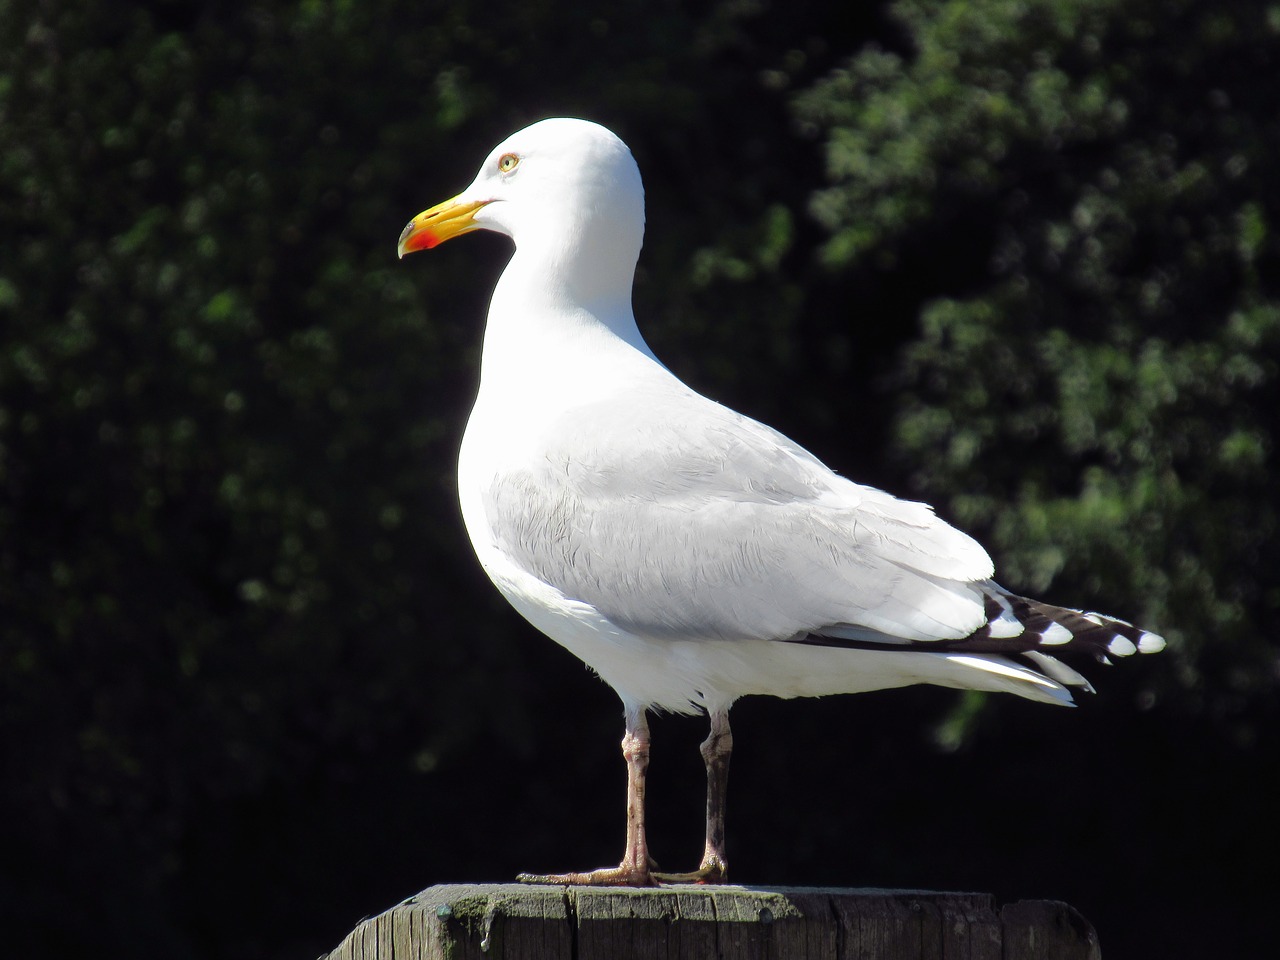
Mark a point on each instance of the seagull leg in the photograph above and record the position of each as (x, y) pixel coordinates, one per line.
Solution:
(634, 871)
(715, 753)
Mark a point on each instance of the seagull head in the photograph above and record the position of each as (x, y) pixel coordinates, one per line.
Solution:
(562, 182)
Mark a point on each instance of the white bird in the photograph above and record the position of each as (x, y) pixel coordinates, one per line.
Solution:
(689, 554)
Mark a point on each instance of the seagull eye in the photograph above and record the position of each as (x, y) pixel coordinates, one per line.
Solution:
(508, 162)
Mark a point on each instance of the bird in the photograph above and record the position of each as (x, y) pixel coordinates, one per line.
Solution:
(688, 554)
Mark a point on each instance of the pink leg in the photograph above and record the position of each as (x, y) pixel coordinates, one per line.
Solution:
(716, 750)
(634, 871)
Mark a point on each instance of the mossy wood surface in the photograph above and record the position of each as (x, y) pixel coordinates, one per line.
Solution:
(494, 921)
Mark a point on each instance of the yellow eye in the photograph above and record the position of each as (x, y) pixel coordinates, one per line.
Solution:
(508, 162)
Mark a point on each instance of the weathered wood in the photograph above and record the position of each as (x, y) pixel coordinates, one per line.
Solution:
(1033, 926)
(692, 922)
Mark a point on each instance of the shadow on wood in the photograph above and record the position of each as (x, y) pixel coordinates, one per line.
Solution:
(691, 922)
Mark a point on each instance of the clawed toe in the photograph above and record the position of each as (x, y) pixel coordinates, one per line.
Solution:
(619, 876)
(623, 875)
(711, 871)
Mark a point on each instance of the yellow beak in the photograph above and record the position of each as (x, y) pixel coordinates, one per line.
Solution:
(442, 222)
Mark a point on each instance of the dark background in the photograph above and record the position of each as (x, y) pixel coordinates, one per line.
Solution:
(1017, 259)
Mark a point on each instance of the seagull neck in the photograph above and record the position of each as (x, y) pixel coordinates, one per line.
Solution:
(540, 298)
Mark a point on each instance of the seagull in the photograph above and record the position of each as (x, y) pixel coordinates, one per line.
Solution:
(688, 554)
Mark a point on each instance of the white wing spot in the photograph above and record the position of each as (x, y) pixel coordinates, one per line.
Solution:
(1150, 643)
(1004, 626)
(1121, 647)
(1055, 634)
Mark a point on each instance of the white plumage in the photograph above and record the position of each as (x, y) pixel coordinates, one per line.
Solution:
(689, 554)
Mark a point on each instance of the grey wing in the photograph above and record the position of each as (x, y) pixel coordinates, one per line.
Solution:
(674, 516)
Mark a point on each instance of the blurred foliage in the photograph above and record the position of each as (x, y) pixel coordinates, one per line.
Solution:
(1100, 401)
(1017, 258)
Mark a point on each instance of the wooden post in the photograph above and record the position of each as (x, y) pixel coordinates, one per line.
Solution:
(693, 922)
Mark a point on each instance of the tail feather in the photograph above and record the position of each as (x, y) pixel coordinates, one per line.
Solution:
(1030, 634)
(1050, 629)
